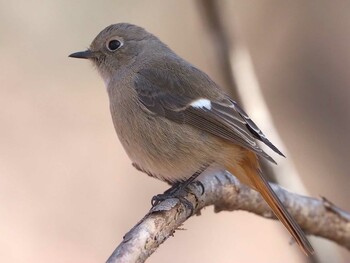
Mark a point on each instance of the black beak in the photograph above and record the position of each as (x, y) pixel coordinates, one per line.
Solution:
(82, 54)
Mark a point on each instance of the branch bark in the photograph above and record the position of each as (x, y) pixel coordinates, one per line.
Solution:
(223, 191)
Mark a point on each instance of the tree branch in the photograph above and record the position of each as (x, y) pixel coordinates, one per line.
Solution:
(316, 217)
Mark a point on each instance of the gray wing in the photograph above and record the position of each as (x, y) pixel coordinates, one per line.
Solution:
(221, 117)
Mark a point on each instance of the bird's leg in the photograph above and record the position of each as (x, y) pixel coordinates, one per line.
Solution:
(177, 190)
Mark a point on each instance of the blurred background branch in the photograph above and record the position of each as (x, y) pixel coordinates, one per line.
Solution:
(243, 83)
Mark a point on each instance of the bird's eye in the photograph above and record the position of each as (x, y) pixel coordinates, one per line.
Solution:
(113, 45)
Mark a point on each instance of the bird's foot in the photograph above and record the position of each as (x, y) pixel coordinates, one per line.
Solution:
(177, 190)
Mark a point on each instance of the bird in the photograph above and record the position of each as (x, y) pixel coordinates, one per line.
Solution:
(174, 121)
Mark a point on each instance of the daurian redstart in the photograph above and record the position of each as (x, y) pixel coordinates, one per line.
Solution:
(173, 120)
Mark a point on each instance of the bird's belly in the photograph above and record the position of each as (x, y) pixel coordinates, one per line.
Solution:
(164, 149)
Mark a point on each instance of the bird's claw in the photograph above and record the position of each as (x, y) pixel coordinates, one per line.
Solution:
(174, 192)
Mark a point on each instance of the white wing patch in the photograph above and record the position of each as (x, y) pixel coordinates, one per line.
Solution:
(201, 104)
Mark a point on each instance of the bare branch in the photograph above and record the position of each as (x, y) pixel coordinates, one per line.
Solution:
(225, 192)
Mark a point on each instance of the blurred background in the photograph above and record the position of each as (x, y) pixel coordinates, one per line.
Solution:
(68, 192)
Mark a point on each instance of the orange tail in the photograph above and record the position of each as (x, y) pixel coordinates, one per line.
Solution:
(249, 172)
